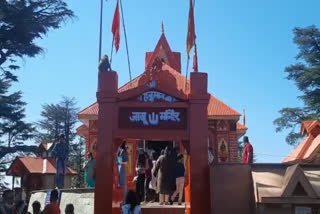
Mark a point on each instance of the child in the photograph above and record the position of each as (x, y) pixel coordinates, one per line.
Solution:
(131, 205)
(179, 179)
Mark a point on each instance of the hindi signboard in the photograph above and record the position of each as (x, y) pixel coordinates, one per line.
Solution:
(156, 96)
(161, 118)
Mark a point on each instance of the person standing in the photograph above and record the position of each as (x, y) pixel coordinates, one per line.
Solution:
(140, 172)
(148, 177)
(53, 207)
(163, 173)
(247, 156)
(173, 162)
(122, 160)
(89, 173)
(60, 152)
(153, 182)
(179, 179)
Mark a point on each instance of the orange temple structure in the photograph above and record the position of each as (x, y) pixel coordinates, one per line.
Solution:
(157, 107)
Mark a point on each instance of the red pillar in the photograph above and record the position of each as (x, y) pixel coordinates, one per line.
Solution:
(199, 168)
(233, 142)
(106, 96)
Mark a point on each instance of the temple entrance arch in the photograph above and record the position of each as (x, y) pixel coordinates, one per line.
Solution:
(134, 146)
(152, 111)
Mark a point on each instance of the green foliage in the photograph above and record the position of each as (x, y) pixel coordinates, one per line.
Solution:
(12, 126)
(76, 161)
(306, 75)
(21, 23)
(58, 119)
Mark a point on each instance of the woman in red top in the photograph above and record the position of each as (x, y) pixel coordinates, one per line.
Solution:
(247, 156)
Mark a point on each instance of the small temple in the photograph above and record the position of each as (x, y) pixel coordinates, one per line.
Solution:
(160, 108)
(163, 69)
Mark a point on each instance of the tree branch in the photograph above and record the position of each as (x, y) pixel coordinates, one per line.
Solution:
(9, 150)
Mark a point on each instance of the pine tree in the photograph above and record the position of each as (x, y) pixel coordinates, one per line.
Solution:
(76, 161)
(306, 75)
(58, 119)
(13, 129)
(21, 23)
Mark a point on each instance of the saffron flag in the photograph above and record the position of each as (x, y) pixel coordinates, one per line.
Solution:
(116, 27)
(191, 30)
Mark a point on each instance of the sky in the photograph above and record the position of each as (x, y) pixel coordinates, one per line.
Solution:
(244, 47)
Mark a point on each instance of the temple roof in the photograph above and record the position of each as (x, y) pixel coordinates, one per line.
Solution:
(163, 50)
(276, 182)
(35, 165)
(82, 130)
(308, 126)
(310, 145)
(168, 75)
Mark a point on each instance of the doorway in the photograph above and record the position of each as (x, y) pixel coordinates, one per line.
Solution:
(157, 146)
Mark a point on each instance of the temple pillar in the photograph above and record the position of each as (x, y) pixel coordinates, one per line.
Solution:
(106, 97)
(199, 167)
(233, 142)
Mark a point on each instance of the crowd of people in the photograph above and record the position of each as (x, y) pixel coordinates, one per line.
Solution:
(159, 179)
(9, 206)
(162, 178)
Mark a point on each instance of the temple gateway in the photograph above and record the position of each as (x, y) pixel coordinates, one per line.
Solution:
(158, 108)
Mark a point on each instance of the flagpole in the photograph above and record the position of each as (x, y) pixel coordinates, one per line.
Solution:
(185, 88)
(126, 40)
(111, 51)
(195, 57)
(100, 36)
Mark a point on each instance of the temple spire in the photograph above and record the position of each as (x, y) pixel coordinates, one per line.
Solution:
(162, 27)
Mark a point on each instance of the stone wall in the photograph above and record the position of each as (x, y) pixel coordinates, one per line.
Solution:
(82, 200)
